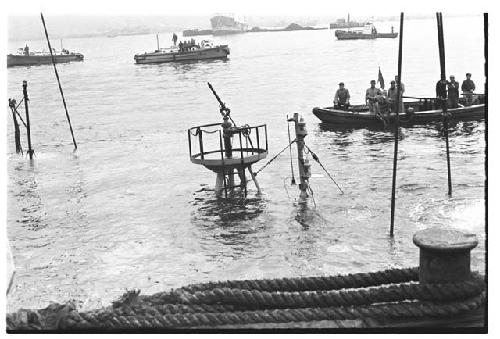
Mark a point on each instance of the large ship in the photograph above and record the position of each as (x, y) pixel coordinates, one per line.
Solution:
(227, 24)
(341, 23)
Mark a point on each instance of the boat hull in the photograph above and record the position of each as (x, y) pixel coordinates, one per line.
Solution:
(220, 52)
(32, 60)
(337, 117)
(342, 35)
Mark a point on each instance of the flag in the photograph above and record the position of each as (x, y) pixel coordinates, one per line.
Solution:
(380, 79)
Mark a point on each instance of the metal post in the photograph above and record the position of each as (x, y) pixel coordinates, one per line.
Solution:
(28, 129)
(227, 134)
(157, 42)
(396, 126)
(304, 173)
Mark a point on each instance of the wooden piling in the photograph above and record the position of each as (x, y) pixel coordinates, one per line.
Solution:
(17, 133)
(28, 127)
(396, 125)
(304, 172)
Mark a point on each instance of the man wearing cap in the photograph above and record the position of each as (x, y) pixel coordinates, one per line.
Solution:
(441, 94)
(341, 100)
(371, 97)
(392, 96)
(453, 92)
(468, 88)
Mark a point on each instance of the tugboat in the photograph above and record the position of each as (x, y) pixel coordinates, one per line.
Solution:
(369, 32)
(187, 51)
(24, 57)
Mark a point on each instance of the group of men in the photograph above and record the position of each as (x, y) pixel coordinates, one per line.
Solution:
(447, 91)
(384, 102)
(378, 101)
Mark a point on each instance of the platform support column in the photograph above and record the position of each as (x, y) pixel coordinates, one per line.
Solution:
(254, 178)
(444, 255)
(228, 148)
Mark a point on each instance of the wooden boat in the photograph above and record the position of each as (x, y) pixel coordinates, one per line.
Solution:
(27, 58)
(419, 112)
(369, 32)
(204, 50)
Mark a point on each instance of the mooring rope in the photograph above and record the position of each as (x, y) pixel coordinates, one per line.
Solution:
(316, 158)
(369, 299)
(274, 158)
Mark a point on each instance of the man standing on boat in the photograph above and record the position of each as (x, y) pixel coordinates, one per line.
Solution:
(371, 97)
(174, 39)
(392, 95)
(453, 92)
(468, 87)
(401, 91)
(342, 97)
(441, 96)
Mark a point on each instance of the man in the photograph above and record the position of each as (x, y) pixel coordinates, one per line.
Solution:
(342, 97)
(174, 39)
(441, 93)
(392, 96)
(468, 87)
(371, 97)
(453, 92)
(402, 85)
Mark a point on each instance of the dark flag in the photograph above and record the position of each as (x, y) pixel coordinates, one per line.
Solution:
(380, 79)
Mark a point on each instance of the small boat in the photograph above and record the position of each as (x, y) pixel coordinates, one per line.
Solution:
(189, 52)
(24, 57)
(369, 32)
(420, 112)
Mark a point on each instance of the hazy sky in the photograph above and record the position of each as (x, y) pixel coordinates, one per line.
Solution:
(246, 7)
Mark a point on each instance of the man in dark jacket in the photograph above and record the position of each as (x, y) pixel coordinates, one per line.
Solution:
(468, 87)
(441, 95)
(453, 92)
(342, 97)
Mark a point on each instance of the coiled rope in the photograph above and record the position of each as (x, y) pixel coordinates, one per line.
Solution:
(354, 300)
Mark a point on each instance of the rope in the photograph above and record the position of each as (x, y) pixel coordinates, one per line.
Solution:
(315, 157)
(273, 158)
(354, 300)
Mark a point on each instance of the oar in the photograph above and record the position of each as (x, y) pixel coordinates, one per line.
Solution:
(396, 125)
(58, 81)
(439, 18)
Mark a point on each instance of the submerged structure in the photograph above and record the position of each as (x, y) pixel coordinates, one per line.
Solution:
(228, 150)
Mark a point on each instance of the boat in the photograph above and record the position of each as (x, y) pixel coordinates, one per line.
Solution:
(188, 52)
(227, 24)
(418, 112)
(369, 32)
(341, 23)
(25, 57)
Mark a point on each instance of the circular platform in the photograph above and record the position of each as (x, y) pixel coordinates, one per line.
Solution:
(241, 157)
(444, 240)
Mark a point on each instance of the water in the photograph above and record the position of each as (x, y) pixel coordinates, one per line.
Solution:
(128, 210)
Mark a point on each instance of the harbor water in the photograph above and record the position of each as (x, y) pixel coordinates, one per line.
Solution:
(128, 210)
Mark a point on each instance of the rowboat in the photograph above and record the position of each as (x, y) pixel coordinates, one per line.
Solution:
(205, 50)
(419, 112)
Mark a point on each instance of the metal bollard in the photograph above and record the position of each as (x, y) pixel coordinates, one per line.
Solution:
(444, 255)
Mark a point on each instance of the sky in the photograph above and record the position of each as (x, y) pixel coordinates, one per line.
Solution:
(247, 7)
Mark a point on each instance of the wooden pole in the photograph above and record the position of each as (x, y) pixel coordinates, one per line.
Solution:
(58, 81)
(28, 129)
(442, 63)
(157, 43)
(396, 125)
(300, 134)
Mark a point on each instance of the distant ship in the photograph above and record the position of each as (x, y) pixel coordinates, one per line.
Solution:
(341, 23)
(25, 57)
(369, 32)
(227, 24)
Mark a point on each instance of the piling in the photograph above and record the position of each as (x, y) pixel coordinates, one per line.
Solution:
(28, 129)
(444, 255)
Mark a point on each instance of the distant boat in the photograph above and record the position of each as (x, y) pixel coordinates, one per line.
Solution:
(369, 32)
(24, 57)
(188, 52)
(341, 23)
(227, 24)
